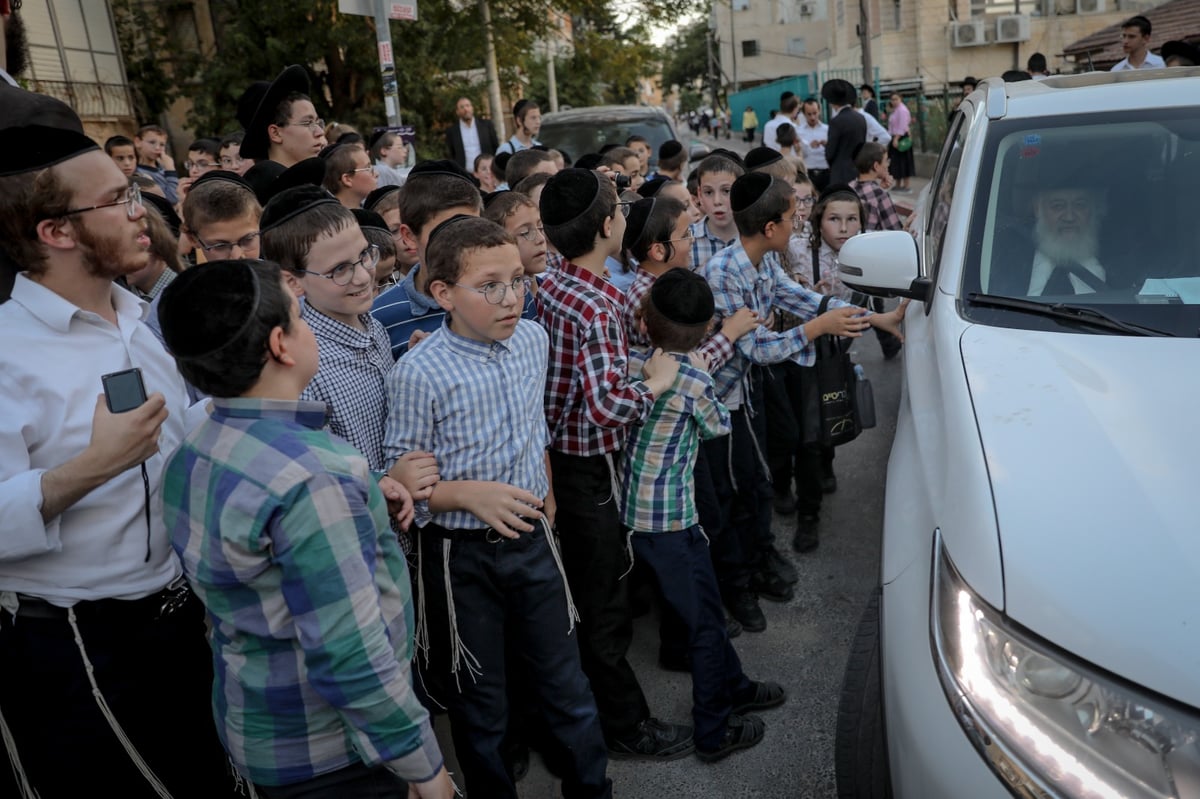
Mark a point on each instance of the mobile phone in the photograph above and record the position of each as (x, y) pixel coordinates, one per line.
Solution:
(124, 391)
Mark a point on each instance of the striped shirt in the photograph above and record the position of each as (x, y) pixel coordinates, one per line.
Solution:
(717, 347)
(705, 244)
(477, 407)
(283, 534)
(737, 283)
(350, 380)
(659, 494)
(403, 310)
(590, 400)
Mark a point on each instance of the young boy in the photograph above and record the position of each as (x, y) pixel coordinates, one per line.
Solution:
(872, 165)
(204, 156)
(471, 394)
(349, 175)
(326, 258)
(385, 201)
(528, 162)
(748, 273)
(625, 161)
(376, 232)
(153, 159)
(483, 173)
(519, 215)
(283, 534)
(231, 154)
(389, 153)
(714, 180)
(641, 147)
(671, 159)
(121, 150)
(590, 403)
(660, 511)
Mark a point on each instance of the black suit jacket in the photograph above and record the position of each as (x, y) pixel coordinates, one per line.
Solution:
(847, 131)
(454, 143)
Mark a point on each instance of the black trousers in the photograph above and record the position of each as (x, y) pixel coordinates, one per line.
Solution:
(595, 557)
(353, 782)
(157, 677)
(790, 459)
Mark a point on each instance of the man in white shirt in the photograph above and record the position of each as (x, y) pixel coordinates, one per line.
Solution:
(470, 136)
(789, 109)
(813, 133)
(1135, 41)
(875, 132)
(1066, 235)
(106, 675)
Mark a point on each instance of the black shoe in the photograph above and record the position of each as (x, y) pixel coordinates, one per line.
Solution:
(785, 501)
(733, 628)
(675, 661)
(742, 733)
(805, 539)
(829, 484)
(769, 585)
(764, 695)
(744, 609)
(774, 561)
(517, 759)
(653, 740)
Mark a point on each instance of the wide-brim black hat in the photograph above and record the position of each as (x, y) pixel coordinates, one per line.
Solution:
(166, 210)
(1181, 48)
(22, 108)
(268, 178)
(256, 108)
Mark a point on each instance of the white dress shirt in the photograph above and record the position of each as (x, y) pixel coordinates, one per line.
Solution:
(1043, 267)
(875, 131)
(471, 148)
(813, 154)
(53, 357)
(4, 76)
(772, 126)
(1152, 62)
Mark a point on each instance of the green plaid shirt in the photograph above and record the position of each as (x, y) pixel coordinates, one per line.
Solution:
(283, 533)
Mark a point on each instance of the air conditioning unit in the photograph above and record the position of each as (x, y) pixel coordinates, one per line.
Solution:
(806, 9)
(1091, 6)
(1012, 28)
(970, 34)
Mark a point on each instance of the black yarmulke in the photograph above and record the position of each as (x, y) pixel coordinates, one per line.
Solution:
(730, 154)
(762, 156)
(223, 176)
(635, 223)
(378, 194)
(683, 297)
(165, 209)
(203, 310)
(261, 176)
(747, 189)
(29, 148)
(328, 149)
(442, 167)
(293, 202)
(273, 178)
(836, 188)
(568, 195)
(375, 137)
(651, 188)
(669, 149)
(588, 161)
(367, 218)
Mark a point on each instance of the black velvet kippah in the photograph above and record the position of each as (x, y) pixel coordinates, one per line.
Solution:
(442, 167)
(30, 148)
(223, 176)
(761, 156)
(492, 196)
(367, 218)
(378, 194)
(589, 161)
(328, 149)
(203, 310)
(291, 203)
(651, 188)
(683, 297)
(568, 195)
(669, 149)
(747, 189)
(730, 154)
(635, 223)
(376, 136)
(261, 176)
(443, 225)
(836, 188)
(165, 209)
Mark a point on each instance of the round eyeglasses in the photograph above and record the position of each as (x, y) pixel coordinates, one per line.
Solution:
(313, 125)
(532, 233)
(494, 291)
(132, 200)
(342, 274)
(224, 249)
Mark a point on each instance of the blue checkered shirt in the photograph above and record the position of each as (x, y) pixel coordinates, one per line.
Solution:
(704, 244)
(477, 407)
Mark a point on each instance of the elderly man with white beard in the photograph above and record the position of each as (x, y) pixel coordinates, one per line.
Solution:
(1066, 236)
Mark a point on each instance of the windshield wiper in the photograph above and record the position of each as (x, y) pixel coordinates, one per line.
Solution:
(1081, 314)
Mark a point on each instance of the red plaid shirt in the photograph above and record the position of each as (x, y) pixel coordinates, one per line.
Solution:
(590, 400)
(881, 211)
(717, 347)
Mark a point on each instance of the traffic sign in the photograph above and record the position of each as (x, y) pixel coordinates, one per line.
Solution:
(366, 8)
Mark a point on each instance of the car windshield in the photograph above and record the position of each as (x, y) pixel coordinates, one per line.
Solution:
(1090, 210)
(577, 138)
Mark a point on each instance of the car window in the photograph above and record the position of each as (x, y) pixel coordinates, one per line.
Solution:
(576, 139)
(941, 192)
(1092, 210)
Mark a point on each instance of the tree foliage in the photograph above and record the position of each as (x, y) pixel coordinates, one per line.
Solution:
(154, 62)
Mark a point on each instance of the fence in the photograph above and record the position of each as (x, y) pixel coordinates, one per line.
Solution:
(89, 100)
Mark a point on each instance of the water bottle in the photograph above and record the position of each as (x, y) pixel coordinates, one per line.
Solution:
(858, 372)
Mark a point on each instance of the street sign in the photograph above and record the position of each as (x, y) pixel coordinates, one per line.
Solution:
(405, 11)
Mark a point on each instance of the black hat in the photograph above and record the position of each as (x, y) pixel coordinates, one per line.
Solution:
(269, 178)
(205, 310)
(291, 203)
(747, 189)
(839, 92)
(22, 108)
(588, 161)
(652, 187)
(224, 176)
(635, 222)
(683, 297)
(519, 106)
(971, 80)
(261, 176)
(165, 209)
(783, 96)
(836, 188)
(378, 194)
(1182, 49)
(30, 148)
(256, 108)
(492, 196)
(669, 149)
(762, 156)
(570, 194)
(367, 218)
(328, 149)
(442, 166)
(376, 135)
(730, 154)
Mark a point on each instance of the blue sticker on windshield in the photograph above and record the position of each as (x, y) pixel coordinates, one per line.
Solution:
(1032, 140)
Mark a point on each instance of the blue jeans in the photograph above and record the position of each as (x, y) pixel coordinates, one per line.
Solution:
(512, 584)
(683, 569)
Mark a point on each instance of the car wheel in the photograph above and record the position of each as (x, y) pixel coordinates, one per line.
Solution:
(860, 743)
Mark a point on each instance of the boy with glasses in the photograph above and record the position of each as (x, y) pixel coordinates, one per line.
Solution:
(231, 154)
(472, 395)
(279, 119)
(349, 175)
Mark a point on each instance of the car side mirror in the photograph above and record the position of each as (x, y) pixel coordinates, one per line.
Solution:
(885, 263)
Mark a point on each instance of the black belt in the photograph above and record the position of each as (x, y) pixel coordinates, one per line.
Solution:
(156, 606)
(488, 535)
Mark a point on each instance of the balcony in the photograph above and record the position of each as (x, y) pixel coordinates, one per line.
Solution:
(90, 100)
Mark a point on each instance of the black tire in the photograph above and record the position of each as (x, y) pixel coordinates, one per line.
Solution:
(860, 743)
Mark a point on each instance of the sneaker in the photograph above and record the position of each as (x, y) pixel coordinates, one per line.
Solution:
(769, 585)
(743, 607)
(741, 733)
(653, 740)
(785, 502)
(733, 628)
(774, 561)
(517, 759)
(765, 695)
(805, 539)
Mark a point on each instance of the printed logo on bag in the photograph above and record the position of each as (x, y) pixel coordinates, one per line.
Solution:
(834, 396)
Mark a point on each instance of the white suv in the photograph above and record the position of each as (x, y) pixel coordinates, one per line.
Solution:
(1037, 627)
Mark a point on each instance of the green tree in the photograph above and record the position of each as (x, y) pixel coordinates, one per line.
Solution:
(686, 61)
(155, 64)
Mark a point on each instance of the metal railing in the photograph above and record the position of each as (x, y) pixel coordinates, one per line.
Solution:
(89, 100)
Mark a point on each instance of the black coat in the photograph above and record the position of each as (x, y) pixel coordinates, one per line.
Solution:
(454, 143)
(847, 131)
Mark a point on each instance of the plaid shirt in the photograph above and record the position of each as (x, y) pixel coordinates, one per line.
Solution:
(717, 347)
(349, 380)
(590, 400)
(881, 211)
(704, 244)
(478, 408)
(736, 283)
(283, 534)
(657, 476)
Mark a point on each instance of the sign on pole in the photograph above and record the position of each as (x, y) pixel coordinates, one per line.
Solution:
(383, 11)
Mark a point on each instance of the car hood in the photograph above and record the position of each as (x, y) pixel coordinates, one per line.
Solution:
(1092, 444)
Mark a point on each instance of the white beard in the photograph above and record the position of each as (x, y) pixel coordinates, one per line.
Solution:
(1061, 249)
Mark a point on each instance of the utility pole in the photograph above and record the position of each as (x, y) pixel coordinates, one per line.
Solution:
(733, 49)
(493, 72)
(712, 74)
(864, 38)
(387, 64)
(551, 78)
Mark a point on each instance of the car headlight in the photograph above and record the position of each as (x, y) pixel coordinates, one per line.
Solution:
(1047, 724)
